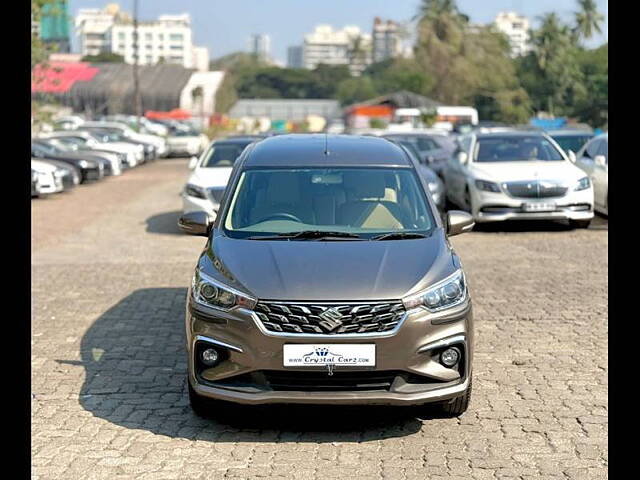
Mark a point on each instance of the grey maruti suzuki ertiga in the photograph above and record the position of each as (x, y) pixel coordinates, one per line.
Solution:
(327, 277)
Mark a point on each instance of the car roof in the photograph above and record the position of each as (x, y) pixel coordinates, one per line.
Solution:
(236, 141)
(512, 133)
(568, 133)
(317, 150)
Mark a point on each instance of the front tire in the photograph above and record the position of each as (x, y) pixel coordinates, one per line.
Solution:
(203, 407)
(579, 223)
(458, 405)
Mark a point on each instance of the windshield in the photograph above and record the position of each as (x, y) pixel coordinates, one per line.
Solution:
(573, 142)
(365, 202)
(515, 149)
(222, 154)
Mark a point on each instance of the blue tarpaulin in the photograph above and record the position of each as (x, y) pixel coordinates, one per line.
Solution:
(548, 123)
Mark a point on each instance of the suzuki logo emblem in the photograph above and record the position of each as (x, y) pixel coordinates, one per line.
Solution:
(331, 314)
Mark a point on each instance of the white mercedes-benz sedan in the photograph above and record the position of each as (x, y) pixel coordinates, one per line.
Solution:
(206, 185)
(517, 175)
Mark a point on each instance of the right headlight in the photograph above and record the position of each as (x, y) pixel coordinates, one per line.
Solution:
(450, 292)
(194, 191)
(211, 293)
(486, 186)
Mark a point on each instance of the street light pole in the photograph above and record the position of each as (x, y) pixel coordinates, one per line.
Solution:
(136, 58)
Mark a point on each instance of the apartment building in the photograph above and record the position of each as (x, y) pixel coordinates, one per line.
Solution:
(169, 39)
(260, 46)
(348, 46)
(516, 28)
(387, 40)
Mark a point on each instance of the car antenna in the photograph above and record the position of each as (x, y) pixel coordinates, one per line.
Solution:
(326, 144)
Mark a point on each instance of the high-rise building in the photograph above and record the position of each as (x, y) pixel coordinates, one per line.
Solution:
(295, 58)
(260, 46)
(169, 39)
(516, 28)
(387, 41)
(348, 46)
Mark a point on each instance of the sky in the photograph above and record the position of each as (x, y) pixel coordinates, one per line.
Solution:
(224, 26)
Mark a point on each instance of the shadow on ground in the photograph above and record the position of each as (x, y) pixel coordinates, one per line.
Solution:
(520, 226)
(165, 223)
(135, 376)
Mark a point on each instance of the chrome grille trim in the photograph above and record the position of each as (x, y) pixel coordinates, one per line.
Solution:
(535, 189)
(329, 319)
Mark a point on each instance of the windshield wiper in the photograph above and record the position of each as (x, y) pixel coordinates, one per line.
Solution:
(308, 235)
(399, 236)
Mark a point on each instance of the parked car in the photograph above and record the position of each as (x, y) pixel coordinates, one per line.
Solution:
(71, 174)
(328, 278)
(49, 179)
(593, 159)
(435, 148)
(146, 125)
(112, 161)
(517, 175)
(35, 183)
(571, 140)
(436, 185)
(129, 154)
(205, 186)
(110, 134)
(186, 142)
(90, 169)
(159, 143)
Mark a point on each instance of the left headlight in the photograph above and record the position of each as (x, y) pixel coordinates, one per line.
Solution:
(450, 292)
(582, 184)
(211, 293)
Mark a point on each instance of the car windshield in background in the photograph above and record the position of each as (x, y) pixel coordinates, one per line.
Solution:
(184, 133)
(222, 155)
(516, 149)
(572, 142)
(344, 202)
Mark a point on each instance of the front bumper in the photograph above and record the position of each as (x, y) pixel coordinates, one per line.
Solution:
(252, 352)
(496, 207)
(194, 204)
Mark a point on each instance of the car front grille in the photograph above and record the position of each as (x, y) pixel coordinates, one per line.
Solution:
(329, 319)
(216, 193)
(535, 189)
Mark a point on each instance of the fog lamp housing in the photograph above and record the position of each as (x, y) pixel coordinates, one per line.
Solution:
(450, 357)
(209, 357)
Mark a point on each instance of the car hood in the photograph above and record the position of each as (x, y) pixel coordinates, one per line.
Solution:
(120, 147)
(43, 167)
(521, 171)
(211, 177)
(329, 270)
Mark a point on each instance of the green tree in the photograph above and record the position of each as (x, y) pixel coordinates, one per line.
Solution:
(588, 19)
(592, 106)
(104, 57)
(355, 90)
(551, 73)
(396, 74)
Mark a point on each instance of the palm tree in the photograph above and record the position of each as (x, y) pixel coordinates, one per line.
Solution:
(588, 19)
(431, 9)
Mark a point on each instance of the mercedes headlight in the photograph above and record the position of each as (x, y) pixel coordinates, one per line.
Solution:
(211, 293)
(450, 292)
(582, 184)
(194, 191)
(487, 186)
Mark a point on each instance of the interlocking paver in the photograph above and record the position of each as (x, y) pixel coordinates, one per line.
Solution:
(110, 270)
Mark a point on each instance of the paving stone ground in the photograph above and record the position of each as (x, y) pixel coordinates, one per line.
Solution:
(109, 277)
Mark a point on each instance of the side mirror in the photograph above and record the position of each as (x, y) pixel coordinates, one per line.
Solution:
(193, 162)
(572, 156)
(462, 157)
(459, 222)
(195, 223)
(600, 160)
